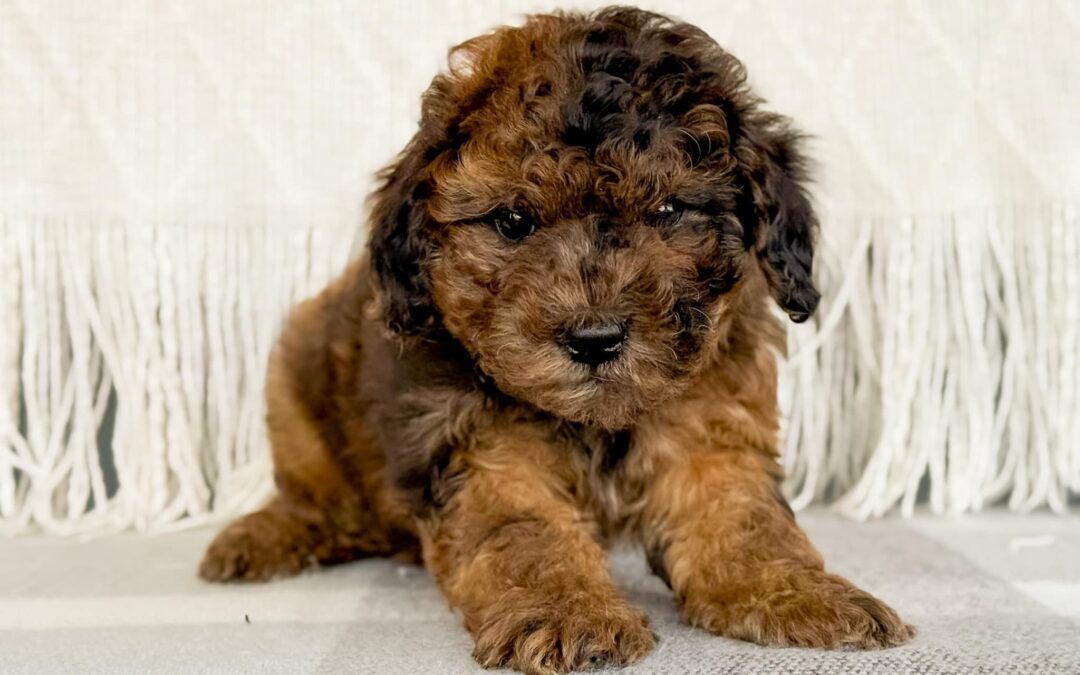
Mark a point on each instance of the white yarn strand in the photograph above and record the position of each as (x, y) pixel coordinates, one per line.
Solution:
(167, 326)
(954, 367)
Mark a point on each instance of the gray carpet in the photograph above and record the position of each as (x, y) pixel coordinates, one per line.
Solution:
(990, 594)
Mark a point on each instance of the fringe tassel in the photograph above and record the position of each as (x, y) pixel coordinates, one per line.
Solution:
(132, 370)
(943, 366)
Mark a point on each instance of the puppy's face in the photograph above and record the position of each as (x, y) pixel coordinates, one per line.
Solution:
(587, 201)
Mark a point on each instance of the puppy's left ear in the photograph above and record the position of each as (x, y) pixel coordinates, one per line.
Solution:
(786, 227)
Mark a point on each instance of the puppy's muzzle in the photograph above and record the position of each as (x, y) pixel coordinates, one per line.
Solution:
(594, 343)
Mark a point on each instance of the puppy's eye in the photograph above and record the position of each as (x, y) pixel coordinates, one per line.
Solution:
(669, 213)
(512, 224)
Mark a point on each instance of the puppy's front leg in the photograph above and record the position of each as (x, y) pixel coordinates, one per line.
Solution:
(721, 533)
(510, 550)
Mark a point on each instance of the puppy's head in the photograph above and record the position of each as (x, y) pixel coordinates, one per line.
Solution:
(588, 200)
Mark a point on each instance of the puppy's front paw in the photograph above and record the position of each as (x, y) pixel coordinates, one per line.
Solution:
(801, 607)
(563, 636)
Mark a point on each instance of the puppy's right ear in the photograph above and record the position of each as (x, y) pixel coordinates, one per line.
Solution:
(400, 242)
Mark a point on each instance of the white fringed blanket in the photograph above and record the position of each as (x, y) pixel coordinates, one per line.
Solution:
(174, 175)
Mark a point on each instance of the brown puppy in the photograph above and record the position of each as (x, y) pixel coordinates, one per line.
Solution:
(561, 334)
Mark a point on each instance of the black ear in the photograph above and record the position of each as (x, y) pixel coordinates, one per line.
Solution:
(400, 242)
(787, 224)
(402, 238)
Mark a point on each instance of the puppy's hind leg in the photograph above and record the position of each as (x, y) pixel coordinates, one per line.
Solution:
(279, 540)
(328, 509)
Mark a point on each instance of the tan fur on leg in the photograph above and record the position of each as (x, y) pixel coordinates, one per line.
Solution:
(741, 567)
(517, 558)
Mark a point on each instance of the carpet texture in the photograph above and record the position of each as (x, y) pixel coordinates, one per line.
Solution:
(992, 594)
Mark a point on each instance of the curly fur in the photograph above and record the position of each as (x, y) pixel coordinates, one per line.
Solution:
(423, 404)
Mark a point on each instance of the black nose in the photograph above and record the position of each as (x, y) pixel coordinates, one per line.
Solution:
(594, 343)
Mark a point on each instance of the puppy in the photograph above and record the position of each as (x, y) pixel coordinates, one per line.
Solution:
(560, 335)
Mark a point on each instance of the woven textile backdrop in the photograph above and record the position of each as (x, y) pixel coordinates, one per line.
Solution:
(174, 174)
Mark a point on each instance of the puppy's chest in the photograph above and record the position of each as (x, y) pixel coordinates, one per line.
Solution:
(609, 478)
